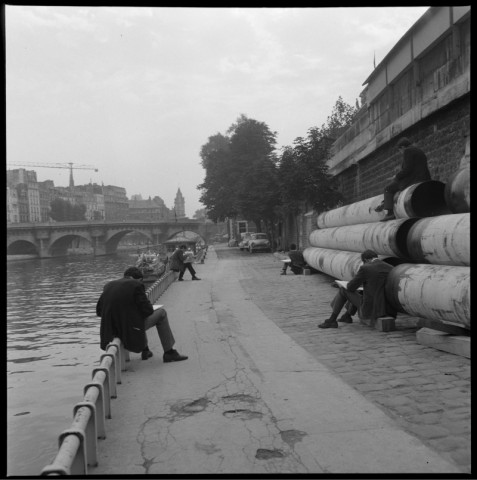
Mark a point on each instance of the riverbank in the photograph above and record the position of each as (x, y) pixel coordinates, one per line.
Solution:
(266, 391)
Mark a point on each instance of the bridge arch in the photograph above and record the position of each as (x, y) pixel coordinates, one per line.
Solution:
(112, 241)
(60, 244)
(22, 247)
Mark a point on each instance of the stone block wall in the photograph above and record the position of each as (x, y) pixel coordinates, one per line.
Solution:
(442, 136)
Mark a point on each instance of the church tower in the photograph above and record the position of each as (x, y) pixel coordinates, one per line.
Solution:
(179, 205)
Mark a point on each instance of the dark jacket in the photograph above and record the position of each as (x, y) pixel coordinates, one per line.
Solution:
(296, 258)
(413, 169)
(177, 260)
(123, 306)
(372, 276)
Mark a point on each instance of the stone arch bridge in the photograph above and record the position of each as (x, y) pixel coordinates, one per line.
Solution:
(52, 239)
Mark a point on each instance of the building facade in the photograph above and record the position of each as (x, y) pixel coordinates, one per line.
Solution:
(150, 209)
(420, 90)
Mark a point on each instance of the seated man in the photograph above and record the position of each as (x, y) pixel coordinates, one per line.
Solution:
(127, 313)
(413, 170)
(297, 262)
(372, 275)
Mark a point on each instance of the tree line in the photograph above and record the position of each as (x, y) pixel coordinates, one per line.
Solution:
(245, 175)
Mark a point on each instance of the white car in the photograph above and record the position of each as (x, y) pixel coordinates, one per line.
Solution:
(243, 244)
(259, 242)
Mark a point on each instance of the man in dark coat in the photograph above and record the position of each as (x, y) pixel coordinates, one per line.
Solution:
(178, 265)
(127, 313)
(413, 170)
(297, 262)
(372, 304)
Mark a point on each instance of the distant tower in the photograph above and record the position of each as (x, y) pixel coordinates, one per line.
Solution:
(179, 205)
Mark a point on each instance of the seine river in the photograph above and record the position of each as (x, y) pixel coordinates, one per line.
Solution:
(52, 347)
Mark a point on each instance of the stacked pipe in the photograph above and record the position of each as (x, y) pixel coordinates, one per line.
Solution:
(428, 245)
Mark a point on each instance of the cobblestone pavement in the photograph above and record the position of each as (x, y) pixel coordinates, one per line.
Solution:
(426, 391)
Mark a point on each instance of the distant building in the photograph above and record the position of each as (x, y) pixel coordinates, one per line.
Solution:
(13, 213)
(91, 197)
(150, 209)
(116, 204)
(179, 205)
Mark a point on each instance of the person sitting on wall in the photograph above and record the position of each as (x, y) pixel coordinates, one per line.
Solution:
(372, 303)
(127, 313)
(297, 262)
(414, 169)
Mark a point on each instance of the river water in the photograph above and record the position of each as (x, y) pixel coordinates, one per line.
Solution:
(52, 348)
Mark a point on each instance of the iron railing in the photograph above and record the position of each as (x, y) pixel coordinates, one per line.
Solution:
(77, 446)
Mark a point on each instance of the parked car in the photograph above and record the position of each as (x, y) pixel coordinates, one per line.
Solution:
(259, 241)
(243, 244)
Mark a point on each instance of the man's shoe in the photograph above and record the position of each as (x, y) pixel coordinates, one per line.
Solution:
(389, 216)
(173, 356)
(328, 324)
(283, 273)
(196, 278)
(380, 207)
(180, 279)
(346, 318)
(145, 354)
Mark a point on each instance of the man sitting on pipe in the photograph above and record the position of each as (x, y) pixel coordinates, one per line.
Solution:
(127, 313)
(372, 303)
(413, 170)
(297, 262)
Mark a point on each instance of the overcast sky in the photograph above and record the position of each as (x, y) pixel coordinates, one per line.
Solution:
(137, 91)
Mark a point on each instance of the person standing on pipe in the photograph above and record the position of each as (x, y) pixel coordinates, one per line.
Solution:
(371, 303)
(414, 169)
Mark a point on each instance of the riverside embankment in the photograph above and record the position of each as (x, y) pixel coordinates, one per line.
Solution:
(265, 391)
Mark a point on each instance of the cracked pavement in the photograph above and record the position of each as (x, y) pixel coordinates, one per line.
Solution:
(249, 399)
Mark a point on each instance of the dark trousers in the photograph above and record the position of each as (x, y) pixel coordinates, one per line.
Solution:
(343, 296)
(159, 320)
(389, 191)
(189, 267)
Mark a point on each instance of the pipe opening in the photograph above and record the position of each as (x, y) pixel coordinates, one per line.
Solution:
(428, 199)
(402, 236)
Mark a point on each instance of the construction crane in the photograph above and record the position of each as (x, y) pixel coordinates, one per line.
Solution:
(58, 165)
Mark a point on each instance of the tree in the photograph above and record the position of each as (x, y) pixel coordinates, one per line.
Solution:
(201, 214)
(63, 211)
(241, 174)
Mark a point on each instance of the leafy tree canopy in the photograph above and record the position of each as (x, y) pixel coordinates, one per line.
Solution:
(63, 211)
(241, 172)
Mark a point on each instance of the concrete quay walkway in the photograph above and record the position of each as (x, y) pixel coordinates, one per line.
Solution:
(266, 392)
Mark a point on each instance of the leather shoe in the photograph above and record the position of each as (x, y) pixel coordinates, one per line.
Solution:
(173, 356)
(180, 279)
(145, 354)
(328, 324)
(380, 207)
(346, 318)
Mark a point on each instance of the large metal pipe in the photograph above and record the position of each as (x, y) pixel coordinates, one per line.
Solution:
(385, 238)
(425, 199)
(355, 213)
(457, 191)
(339, 264)
(435, 292)
(336, 263)
(443, 240)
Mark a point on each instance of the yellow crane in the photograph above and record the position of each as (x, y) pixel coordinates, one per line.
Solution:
(58, 165)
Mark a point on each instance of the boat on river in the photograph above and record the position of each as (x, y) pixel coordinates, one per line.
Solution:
(151, 266)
